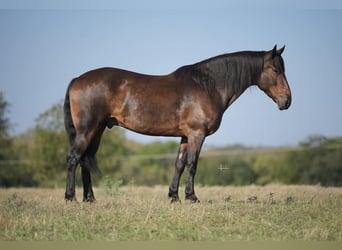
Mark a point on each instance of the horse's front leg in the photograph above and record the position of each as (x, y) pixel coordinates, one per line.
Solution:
(179, 169)
(194, 147)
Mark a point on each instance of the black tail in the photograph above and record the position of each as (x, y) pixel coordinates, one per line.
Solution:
(68, 123)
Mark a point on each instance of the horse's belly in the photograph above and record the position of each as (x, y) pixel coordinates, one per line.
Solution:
(154, 127)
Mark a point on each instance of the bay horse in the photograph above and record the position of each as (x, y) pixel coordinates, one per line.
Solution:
(188, 103)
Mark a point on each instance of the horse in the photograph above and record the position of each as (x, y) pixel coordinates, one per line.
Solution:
(188, 103)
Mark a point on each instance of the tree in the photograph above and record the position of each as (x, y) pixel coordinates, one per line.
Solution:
(48, 154)
(318, 160)
(325, 162)
(5, 144)
(265, 167)
(5, 141)
(12, 170)
(112, 153)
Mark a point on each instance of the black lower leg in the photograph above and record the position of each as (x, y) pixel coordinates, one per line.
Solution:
(194, 149)
(179, 169)
(70, 194)
(72, 161)
(173, 189)
(189, 188)
(88, 194)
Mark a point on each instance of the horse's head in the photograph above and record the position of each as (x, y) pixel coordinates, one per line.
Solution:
(273, 80)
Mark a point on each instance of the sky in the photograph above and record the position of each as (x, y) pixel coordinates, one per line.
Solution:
(43, 47)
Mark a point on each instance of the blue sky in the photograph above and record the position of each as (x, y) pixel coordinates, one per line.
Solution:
(43, 49)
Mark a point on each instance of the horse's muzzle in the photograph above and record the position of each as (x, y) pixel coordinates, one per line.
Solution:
(283, 102)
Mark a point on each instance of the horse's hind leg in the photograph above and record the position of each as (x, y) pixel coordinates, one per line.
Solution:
(78, 148)
(88, 193)
(88, 163)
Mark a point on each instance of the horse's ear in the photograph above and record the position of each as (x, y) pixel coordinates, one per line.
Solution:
(274, 51)
(280, 51)
(271, 54)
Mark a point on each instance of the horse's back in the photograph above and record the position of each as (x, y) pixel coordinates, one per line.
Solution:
(113, 75)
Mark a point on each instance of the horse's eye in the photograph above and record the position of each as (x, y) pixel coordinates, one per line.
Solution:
(275, 70)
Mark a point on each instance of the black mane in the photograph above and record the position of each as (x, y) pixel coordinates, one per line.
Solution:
(235, 71)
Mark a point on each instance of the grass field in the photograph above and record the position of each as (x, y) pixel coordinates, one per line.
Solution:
(145, 213)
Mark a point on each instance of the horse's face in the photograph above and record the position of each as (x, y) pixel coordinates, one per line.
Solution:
(273, 80)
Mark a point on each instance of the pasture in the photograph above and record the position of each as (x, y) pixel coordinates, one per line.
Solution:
(131, 213)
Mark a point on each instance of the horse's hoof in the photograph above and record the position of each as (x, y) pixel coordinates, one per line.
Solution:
(70, 197)
(89, 199)
(175, 200)
(70, 200)
(192, 198)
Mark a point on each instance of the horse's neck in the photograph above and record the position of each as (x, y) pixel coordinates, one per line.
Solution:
(234, 76)
(228, 96)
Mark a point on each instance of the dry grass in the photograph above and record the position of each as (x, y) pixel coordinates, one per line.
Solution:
(144, 213)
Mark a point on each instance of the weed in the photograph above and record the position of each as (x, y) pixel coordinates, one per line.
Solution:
(289, 200)
(110, 186)
(228, 199)
(252, 199)
(271, 199)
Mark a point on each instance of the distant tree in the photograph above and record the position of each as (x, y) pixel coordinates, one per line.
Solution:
(5, 141)
(326, 169)
(313, 141)
(265, 168)
(52, 119)
(111, 154)
(325, 162)
(159, 148)
(318, 160)
(141, 164)
(12, 171)
(48, 154)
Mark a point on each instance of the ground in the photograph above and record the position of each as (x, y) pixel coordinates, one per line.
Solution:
(274, 212)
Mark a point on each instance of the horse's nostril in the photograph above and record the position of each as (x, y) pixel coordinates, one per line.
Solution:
(284, 102)
(287, 103)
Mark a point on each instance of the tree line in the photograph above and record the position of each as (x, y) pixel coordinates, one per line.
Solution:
(37, 158)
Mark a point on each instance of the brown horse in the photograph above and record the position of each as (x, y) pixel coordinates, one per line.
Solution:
(188, 103)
